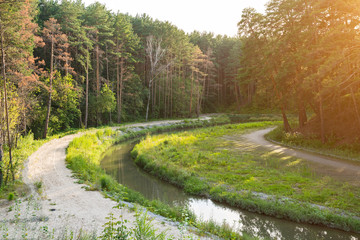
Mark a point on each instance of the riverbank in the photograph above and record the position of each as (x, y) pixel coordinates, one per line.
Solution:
(84, 156)
(332, 148)
(203, 162)
(59, 207)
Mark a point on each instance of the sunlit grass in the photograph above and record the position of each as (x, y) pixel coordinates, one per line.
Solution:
(333, 147)
(204, 162)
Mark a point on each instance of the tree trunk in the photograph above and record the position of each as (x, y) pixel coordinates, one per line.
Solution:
(322, 127)
(107, 64)
(191, 92)
(355, 106)
(87, 92)
(287, 127)
(302, 113)
(97, 77)
(198, 98)
(159, 93)
(171, 93)
(153, 98)
(148, 101)
(122, 70)
(237, 96)
(97, 70)
(3, 65)
(166, 92)
(118, 90)
(1, 172)
(50, 88)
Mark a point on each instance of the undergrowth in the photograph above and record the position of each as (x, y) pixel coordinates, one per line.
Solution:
(26, 145)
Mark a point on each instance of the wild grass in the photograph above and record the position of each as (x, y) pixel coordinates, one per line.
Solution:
(116, 228)
(203, 162)
(312, 143)
(84, 155)
(26, 145)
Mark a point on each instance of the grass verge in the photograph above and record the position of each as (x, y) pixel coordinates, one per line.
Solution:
(84, 155)
(25, 146)
(312, 143)
(204, 162)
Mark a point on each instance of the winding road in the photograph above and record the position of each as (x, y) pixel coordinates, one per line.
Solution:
(64, 206)
(340, 169)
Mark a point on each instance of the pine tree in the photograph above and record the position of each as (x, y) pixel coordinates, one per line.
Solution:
(98, 17)
(126, 44)
(58, 44)
(16, 42)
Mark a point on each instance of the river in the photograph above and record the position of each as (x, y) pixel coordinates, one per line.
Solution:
(117, 162)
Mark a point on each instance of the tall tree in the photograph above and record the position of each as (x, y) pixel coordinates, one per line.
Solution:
(58, 43)
(98, 17)
(4, 78)
(126, 43)
(16, 42)
(155, 54)
(84, 58)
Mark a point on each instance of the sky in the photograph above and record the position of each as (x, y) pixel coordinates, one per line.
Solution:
(217, 16)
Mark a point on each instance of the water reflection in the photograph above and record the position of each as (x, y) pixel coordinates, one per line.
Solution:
(118, 163)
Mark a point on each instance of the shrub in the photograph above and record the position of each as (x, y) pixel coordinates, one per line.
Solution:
(11, 196)
(106, 182)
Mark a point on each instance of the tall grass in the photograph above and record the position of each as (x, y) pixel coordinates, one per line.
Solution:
(26, 145)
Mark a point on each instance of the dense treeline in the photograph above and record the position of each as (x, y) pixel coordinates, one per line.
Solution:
(65, 65)
(303, 57)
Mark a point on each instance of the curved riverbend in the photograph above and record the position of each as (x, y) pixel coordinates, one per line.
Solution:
(118, 163)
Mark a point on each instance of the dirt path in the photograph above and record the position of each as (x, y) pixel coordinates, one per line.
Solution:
(343, 170)
(64, 206)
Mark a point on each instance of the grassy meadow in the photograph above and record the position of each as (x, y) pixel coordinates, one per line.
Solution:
(205, 162)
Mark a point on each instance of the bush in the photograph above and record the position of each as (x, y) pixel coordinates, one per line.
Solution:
(11, 196)
(106, 182)
(195, 186)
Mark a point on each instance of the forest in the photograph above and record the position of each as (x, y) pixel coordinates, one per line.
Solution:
(65, 65)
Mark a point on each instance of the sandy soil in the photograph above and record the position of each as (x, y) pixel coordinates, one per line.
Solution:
(342, 170)
(64, 206)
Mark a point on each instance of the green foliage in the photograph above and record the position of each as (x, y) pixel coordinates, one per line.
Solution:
(65, 104)
(195, 186)
(224, 231)
(11, 196)
(26, 145)
(39, 186)
(105, 182)
(143, 229)
(83, 155)
(64, 108)
(287, 63)
(106, 102)
(134, 97)
(115, 229)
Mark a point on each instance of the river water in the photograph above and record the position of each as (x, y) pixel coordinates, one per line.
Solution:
(117, 162)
